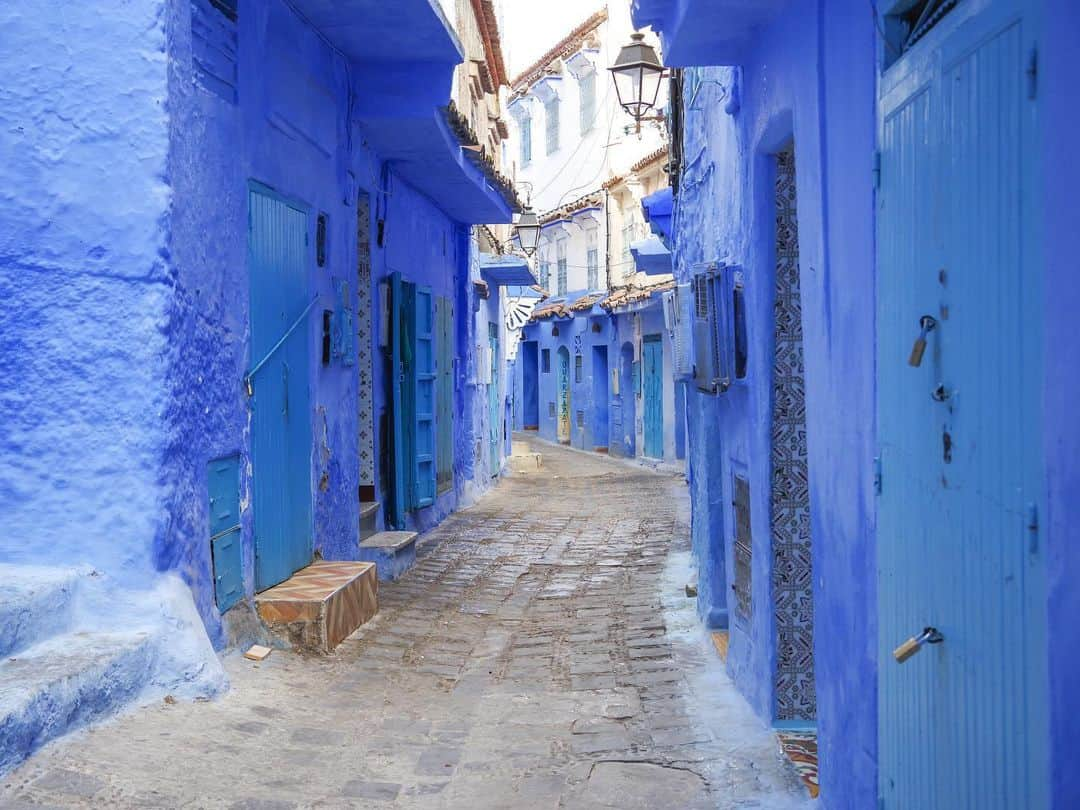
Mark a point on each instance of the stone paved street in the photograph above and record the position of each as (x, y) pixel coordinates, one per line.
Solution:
(541, 654)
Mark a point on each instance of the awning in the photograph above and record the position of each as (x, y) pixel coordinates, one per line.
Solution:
(657, 208)
(506, 271)
(402, 57)
(651, 256)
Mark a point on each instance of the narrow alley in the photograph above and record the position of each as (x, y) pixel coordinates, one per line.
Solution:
(542, 653)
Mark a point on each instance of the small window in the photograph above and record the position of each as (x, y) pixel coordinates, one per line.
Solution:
(545, 276)
(738, 309)
(320, 240)
(551, 409)
(551, 116)
(545, 361)
(593, 262)
(579, 370)
(581, 419)
(562, 276)
(903, 29)
(526, 140)
(587, 86)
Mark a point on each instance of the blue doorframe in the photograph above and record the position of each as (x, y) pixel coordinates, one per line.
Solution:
(653, 395)
(278, 380)
(962, 722)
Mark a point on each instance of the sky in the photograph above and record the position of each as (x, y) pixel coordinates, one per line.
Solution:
(529, 27)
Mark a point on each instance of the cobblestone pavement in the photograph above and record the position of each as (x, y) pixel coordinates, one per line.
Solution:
(541, 654)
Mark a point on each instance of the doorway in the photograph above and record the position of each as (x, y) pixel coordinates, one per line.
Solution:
(600, 398)
(628, 400)
(280, 399)
(494, 408)
(564, 395)
(792, 574)
(530, 385)
(365, 403)
(652, 360)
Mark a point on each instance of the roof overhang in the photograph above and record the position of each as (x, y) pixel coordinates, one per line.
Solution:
(651, 256)
(706, 32)
(506, 271)
(402, 57)
(657, 208)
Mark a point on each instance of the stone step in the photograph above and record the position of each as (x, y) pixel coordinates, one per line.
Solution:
(36, 603)
(393, 553)
(320, 606)
(369, 514)
(526, 462)
(64, 682)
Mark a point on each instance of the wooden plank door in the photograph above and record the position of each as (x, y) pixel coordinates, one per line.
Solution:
(280, 412)
(653, 395)
(962, 722)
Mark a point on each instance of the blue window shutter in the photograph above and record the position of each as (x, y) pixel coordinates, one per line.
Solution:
(223, 485)
(423, 379)
(444, 412)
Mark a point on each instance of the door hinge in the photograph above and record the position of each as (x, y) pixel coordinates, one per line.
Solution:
(877, 475)
(1033, 73)
(877, 170)
(1032, 522)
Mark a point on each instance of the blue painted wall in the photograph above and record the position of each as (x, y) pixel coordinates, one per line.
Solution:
(85, 285)
(724, 213)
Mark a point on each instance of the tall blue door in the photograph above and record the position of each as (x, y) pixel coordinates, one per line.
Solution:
(962, 722)
(280, 410)
(494, 406)
(653, 395)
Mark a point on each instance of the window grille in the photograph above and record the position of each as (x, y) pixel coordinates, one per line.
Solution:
(593, 262)
(526, 140)
(581, 419)
(579, 371)
(562, 276)
(551, 116)
(720, 348)
(587, 86)
(545, 361)
(744, 544)
(545, 275)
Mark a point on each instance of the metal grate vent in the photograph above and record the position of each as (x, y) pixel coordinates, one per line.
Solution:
(744, 543)
(551, 409)
(581, 419)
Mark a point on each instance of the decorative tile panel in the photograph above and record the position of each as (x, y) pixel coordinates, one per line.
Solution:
(364, 337)
(792, 575)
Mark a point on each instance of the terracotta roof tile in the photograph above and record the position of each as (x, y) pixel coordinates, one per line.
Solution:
(566, 46)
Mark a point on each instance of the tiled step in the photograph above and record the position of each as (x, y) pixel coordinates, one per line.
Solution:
(318, 607)
(369, 513)
(36, 603)
(64, 682)
(393, 553)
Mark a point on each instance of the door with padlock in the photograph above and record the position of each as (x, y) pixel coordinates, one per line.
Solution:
(961, 706)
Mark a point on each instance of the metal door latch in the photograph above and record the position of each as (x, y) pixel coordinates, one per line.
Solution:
(927, 324)
(929, 635)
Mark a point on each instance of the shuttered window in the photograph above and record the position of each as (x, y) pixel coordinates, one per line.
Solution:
(444, 394)
(587, 86)
(551, 116)
(526, 140)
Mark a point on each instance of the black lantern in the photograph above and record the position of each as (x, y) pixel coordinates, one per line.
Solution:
(527, 231)
(637, 74)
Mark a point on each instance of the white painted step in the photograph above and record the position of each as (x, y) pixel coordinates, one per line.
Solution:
(63, 683)
(36, 603)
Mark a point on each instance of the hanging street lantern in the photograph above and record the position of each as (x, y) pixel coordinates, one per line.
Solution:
(637, 73)
(527, 231)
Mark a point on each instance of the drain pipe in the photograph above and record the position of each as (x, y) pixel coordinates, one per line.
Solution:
(607, 238)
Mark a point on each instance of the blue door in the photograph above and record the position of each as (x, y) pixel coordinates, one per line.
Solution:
(278, 382)
(962, 722)
(653, 395)
(600, 397)
(530, 385)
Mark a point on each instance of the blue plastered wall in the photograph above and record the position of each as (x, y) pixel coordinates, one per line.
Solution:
(85, 285)
(809, 76)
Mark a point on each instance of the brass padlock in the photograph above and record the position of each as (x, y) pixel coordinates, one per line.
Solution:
(927, 323)
(929, 635)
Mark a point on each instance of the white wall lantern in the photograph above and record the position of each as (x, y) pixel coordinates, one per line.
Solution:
(527, 231)
(638, 74)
